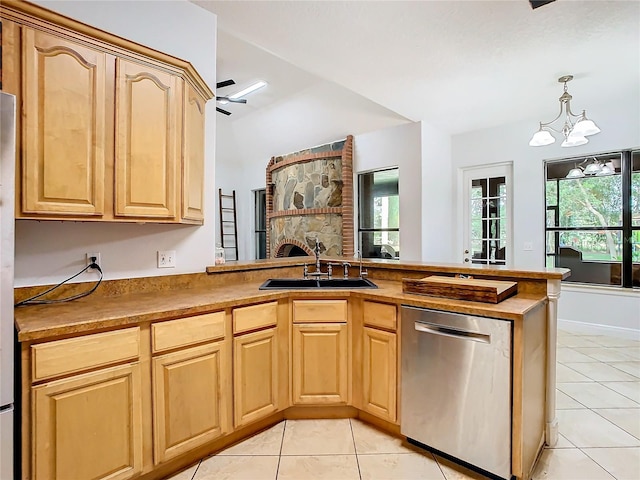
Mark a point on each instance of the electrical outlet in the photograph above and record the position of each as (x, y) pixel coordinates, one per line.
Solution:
(166, 258)
(528, 246)
(98, 259)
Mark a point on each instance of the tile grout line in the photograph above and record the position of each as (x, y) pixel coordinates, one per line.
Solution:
(284, 428)
(355, 449)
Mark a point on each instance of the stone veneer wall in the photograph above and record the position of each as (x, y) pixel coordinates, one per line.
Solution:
(309, 196)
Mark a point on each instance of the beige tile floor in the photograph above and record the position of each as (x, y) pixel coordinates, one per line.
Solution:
(598, 411)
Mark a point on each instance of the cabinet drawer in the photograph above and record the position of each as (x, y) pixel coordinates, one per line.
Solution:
(380, 315)
(319, 311)
(81, 353)
(255, 316)
(187, 331)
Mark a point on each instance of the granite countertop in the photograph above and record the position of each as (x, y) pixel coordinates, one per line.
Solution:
(470, 269)
(89, 314)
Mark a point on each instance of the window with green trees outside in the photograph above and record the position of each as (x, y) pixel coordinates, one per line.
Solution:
(593, 218)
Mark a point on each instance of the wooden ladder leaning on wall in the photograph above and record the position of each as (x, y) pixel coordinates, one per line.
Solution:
(228, 225)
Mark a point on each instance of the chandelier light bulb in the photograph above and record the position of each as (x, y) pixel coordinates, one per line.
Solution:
(574, 141)
(541, 138)
(585, 127)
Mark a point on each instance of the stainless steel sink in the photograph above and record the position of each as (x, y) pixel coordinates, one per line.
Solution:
(312, 283)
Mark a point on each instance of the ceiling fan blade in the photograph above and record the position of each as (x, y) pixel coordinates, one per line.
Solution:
(232, 100)
(225, 83)
(218, 109)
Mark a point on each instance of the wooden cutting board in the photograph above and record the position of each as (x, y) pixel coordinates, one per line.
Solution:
(476, 290)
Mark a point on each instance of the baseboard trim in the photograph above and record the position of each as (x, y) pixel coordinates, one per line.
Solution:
(598, 329)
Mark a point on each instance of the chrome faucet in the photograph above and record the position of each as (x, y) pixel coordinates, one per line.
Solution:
(362, 272)
(318, 271)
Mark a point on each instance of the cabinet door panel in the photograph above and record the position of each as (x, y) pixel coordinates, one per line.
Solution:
(98, 414)
(188, 407)
(65, 110)
(379, 373)
(255, 376)
(147, 141)
(320, 363)
(193, 156)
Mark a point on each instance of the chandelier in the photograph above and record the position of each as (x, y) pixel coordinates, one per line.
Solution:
(596, 168)
(575, 129)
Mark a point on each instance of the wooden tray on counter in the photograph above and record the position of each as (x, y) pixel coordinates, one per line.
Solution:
(475, 290)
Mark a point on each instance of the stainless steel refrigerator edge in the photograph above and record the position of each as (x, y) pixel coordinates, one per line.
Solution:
(7, 218)
(456, 386)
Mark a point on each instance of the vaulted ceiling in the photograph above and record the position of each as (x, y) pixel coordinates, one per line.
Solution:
(459, 65)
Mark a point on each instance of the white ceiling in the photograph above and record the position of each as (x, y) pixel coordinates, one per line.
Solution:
(458, 65)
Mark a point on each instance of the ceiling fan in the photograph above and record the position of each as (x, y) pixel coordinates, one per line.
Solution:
(219, 98)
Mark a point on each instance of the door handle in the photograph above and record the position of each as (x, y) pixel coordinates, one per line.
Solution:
(452, 332)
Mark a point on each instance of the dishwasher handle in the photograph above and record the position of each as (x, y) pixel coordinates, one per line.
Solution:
(441, 330)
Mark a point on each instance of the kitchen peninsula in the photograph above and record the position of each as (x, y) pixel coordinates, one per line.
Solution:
(152, 351)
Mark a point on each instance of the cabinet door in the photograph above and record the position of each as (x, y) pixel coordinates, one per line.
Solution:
(320, 363)
(189, 409)
(89, 426)
(193, 156)
(255, 376)
(147, 141)
(64, 125)
(379, 373)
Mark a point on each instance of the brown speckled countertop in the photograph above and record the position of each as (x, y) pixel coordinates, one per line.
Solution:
(450, 268)
(89, 314)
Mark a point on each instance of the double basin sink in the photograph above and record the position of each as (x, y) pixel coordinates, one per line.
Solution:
(314, 284)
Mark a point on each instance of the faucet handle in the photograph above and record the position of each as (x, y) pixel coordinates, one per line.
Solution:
(345, 266)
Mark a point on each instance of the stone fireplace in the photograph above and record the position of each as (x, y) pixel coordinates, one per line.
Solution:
(309, 196)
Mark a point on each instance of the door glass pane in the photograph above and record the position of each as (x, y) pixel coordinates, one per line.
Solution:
(488, 220)
(635, 189)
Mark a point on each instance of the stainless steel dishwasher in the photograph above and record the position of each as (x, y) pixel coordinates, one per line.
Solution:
(456, 386)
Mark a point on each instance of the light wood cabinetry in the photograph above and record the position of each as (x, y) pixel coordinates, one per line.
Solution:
(193, 139)
(88, 425)
(255, 376)
(65, 126)
(379, 366)
(188, 388)
(379, 360)
(147, 140)
(190, 404)
(320, 352)
(109, 131)
(256, 364)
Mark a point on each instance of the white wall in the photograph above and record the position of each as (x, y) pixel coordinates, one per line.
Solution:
(620, 125)
(47, 252)
(438, 195)
(397, 147)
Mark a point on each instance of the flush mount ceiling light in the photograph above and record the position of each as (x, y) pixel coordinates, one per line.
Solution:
(575, 129)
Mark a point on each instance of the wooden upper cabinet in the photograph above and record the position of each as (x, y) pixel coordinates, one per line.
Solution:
(108, 130)
(193, 156)
(64, 126)
(148, 101)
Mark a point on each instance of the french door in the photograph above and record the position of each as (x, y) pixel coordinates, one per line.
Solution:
(487, 214)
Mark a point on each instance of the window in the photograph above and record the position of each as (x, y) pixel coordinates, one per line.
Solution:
(260, 222)
(593, 220)
(379, 214)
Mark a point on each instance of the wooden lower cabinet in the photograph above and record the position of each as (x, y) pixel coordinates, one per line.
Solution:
(89, 426)
(255, 376)
(379, 367)
(320, 363)
(189, 405)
